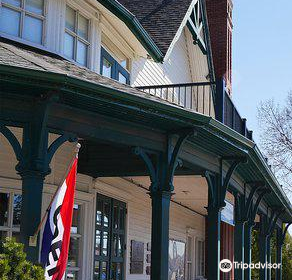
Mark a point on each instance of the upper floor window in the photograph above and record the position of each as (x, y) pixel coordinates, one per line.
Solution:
(76, 37)
(23, 19)
(111, 68)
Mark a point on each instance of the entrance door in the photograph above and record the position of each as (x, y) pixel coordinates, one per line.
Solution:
(109, 239)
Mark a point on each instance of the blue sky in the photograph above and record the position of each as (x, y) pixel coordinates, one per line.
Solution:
(262, 55)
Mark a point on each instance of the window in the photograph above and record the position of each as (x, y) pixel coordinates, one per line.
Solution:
(200, 272)
(113, 69)
(76, 41)
(75, 247)
(10, 210)
(109, 239)
(189, 258)
(23, 18)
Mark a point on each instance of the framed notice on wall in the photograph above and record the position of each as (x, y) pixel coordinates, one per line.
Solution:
(176, 258)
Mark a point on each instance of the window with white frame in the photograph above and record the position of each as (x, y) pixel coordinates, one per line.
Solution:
(10, 210)
(24, 19)
(76, 244)
(76, 41)
(200, 257)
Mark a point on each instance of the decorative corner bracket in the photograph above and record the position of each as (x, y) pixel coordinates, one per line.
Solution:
(255, 206)
(243, 205)
(161, 170)
(267, 228)
(42, 162)
(283, 234)
(224, 182)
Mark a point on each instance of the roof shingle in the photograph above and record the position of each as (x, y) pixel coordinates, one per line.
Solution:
(160, 18)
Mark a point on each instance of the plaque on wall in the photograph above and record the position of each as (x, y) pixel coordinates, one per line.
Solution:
(137, 257)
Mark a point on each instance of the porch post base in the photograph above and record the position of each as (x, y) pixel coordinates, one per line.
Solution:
(213, 242)
(239, 249)
(160, 234)
(32, 190)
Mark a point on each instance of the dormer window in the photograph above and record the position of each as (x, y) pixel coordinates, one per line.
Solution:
(76, 43)
(111, 68)
(23, 19)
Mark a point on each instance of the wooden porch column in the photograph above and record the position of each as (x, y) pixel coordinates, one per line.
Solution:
(213, 242)
(281, 233)
(263, 255)
(217, 188)
(239, 248)
(34, 157)
(160, 234)
(161, 167)
(269, 258)
(247, 248)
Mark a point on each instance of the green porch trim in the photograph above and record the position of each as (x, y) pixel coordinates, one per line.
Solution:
(135, 26)
(220, 134)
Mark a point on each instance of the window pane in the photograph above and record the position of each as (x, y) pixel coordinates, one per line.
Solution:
(76, 219)
(97, 243)
(35, 6)
(17, 201)
(116, 216)
(106, 68)
(124, 63)
(69, 46)
(12, 2)
(106, 214)
(96, 271)
(72, 275)
(73, 252)
(104, 243)
(103, 271)
(98, 213)
(4, 206)
(122, 218)
(9, 21)
(33, 29)
(70, 19)
(122, 78)
(81, 57)
(82, 27)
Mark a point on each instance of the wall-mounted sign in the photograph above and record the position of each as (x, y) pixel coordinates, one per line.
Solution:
(227, 213)
(137, 257)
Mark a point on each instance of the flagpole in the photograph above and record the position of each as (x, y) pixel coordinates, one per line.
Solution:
(33, 239)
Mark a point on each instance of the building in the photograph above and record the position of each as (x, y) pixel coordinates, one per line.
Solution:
(167, 167)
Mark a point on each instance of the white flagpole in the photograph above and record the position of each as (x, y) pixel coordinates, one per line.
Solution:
(33, 239)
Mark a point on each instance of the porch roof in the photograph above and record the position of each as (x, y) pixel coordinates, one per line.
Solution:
(32, 71)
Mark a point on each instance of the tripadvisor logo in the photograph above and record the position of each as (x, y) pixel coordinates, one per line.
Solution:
(226, 265)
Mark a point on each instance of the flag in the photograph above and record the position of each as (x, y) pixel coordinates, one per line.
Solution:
(56, 236)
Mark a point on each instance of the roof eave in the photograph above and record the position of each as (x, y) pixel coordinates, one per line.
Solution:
(179, 114)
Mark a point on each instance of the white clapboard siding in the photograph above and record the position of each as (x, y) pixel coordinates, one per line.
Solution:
(176, 69)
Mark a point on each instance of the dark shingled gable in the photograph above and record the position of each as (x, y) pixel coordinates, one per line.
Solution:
(160, 18)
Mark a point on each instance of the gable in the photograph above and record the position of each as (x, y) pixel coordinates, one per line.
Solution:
(160, 18)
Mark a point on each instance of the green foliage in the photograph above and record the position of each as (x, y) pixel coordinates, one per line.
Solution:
(287, 256)
(13, 263)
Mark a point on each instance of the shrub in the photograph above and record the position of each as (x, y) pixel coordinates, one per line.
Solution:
(13, 263)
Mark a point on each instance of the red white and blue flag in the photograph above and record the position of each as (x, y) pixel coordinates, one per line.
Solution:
(56, 236)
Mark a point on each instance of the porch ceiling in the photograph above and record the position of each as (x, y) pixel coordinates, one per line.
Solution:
(126, 107)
